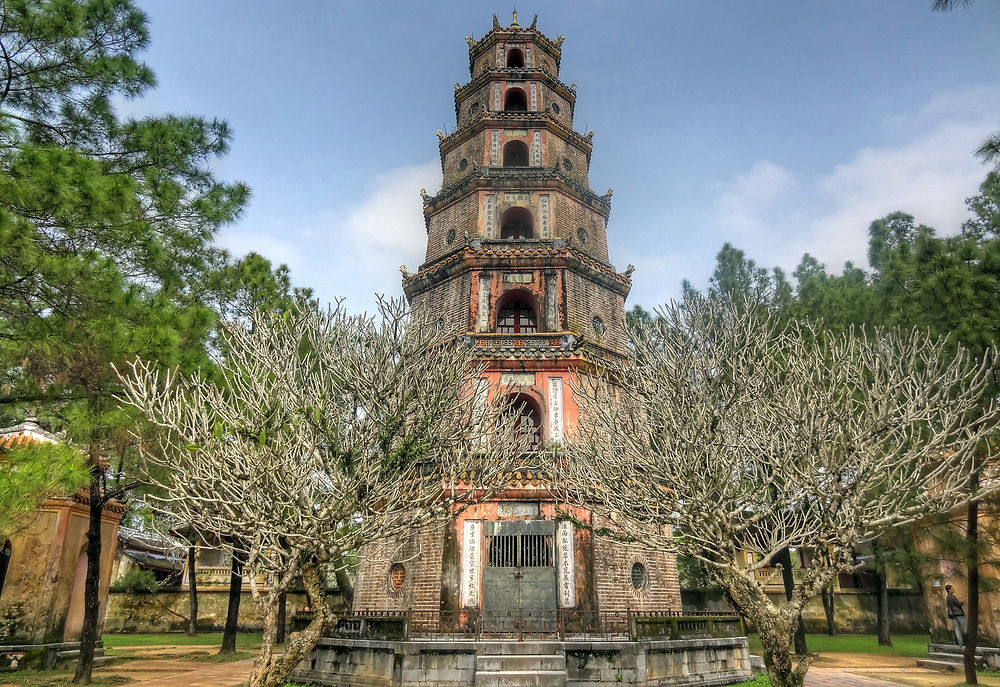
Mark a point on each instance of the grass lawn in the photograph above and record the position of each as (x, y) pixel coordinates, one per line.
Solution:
(115, 641)
(902, 645)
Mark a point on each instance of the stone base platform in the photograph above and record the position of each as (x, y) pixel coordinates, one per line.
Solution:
(529, 663)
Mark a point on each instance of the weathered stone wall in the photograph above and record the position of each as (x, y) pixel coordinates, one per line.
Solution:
(584, 300)
(42, 598)
(129, 612)
(462, 216)
(854, 612)
(570, 215)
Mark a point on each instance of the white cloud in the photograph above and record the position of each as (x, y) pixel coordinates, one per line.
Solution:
(387, 227)
(929, 173)
(744, 202)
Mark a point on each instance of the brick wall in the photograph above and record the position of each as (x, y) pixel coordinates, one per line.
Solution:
(569, 215)
(448, 300)
(584, 300)
(476, 151)
(613, 562)
(560, 151)
(462, 216)
(420, 554)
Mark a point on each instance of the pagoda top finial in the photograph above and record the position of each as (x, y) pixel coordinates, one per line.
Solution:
(514, 23)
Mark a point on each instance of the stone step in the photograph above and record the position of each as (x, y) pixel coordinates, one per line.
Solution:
(103, 661)
(67, 655)
(528, 646)
(521, 662)
(520, 678)
(941, 666)
(956, 649)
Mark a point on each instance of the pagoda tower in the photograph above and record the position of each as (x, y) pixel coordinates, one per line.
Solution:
(517, 265)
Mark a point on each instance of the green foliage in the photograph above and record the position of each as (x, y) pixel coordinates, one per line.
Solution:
(30, 473)
(136, 582)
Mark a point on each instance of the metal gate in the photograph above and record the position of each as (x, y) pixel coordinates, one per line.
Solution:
(519, 580)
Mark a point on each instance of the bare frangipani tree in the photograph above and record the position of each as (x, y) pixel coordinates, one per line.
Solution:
(731, 431)
(326, 432)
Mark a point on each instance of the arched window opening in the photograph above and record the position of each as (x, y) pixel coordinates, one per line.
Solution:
(515, 58)
(5, 555)
(515, 100)
(516, 224)
(529, 420)
(515, 154)
(517, 317)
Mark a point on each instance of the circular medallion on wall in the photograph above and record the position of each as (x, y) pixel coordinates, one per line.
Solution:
(397, 577)
(598, 325)
(567, 165)
(450, 237)
(639, 576)
(473, 108)
(462, 164)
(581, 234)
(555, 108)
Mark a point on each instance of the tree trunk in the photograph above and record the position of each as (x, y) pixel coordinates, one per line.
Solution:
(972, 603)
(92, 585)
(344, 585)
(788, 580)
(192, 595)
(270, 670)
(884, 629)
(828, 609)
(279, 636)
(233, 612)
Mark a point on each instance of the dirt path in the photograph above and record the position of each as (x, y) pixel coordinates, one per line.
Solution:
(164, 666)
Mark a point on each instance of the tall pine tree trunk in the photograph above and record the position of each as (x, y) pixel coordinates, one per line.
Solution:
(92, 585)
(788, 580)
(972, 603)
(192, 594)
(233, 612)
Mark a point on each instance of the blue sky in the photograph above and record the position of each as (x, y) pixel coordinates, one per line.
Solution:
(782, 127)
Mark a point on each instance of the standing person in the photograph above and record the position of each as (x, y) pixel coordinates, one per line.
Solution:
(956, 614)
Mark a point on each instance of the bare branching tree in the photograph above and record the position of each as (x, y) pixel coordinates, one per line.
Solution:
(731, 430)
(326, 432)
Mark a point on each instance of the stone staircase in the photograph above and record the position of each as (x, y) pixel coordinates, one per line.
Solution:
(948, 657)
(521, 664)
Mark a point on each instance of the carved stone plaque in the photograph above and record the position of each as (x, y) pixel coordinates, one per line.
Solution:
(514, 509)
(483, 316)
(537, 147)
(565, 573)
(527, 56)
(534, 96)
(517, 378)
(489, 214)
(556, 408)
(494, 147)
(517, 278)
(511, 197)
(471, 562)
(543, 215)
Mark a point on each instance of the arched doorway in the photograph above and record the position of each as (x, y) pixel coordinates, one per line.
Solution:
(515, 100)
(515, 58)
(515, 154)
(74, 617)
(516, 224)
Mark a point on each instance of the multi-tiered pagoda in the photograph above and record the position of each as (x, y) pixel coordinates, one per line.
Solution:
(517, 265)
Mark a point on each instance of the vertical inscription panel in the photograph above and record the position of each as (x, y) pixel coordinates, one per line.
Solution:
(472, 562)
(537, 140)
(494, 147)
(543, 214)
(565, 573)
(534, 96)
(489, 214)
(556, 408)
(483, 314)
(496, 97)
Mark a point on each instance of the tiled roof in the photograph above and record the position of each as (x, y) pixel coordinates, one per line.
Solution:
(24, 434)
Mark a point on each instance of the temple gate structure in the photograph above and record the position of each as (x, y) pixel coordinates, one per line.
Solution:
(517, 266)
